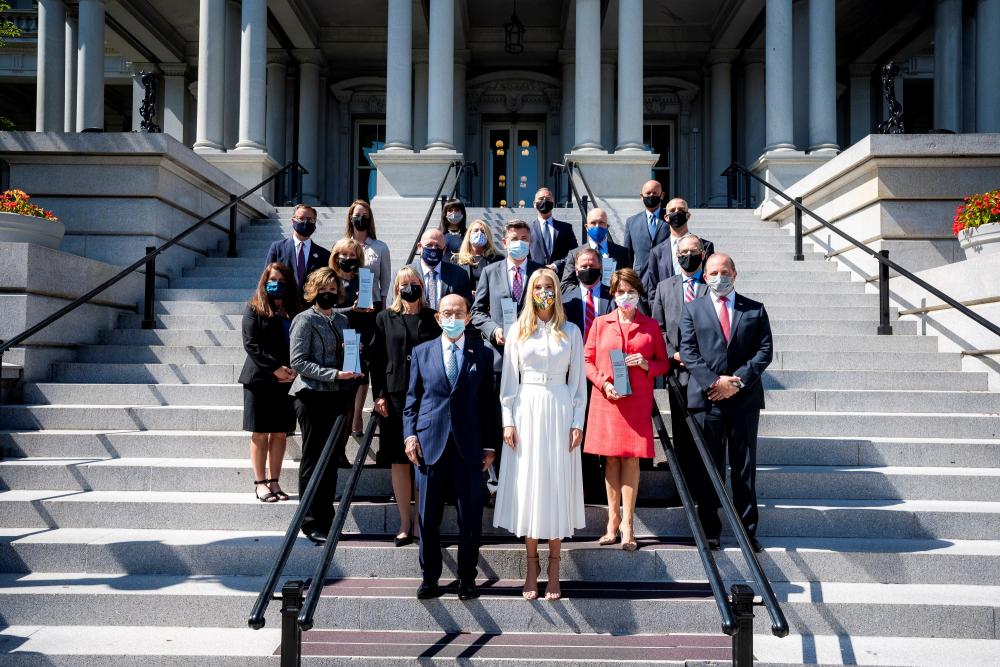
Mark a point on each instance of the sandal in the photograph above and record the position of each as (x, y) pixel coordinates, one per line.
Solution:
(531, 593)
(281, 495)
(610, 539)
(549, 593)
(630, 544)
(270, 496)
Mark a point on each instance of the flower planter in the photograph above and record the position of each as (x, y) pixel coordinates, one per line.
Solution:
(977, 241)
(17, 228)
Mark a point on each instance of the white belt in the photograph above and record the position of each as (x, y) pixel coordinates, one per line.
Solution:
(534, 377)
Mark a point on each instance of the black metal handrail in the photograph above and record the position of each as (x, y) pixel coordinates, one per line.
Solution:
(779, 624)
(454, 164)
(574, 166)
(885, 264)
(149, 262)
(581, 202)
(256, 620)
(467, 166)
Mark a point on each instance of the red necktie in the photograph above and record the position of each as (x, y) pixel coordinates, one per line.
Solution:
(518, 286)
(689, 291)
(724, 317)
(588, 311)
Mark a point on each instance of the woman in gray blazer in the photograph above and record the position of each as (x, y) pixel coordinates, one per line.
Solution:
(322, 392)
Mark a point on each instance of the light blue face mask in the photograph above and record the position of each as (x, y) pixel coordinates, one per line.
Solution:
(478, 239)
(517, 249)
(452, 327)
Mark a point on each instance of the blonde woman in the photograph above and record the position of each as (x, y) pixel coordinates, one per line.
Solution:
(476, 252)
(543, 398)
(361, 228)
(398, 329)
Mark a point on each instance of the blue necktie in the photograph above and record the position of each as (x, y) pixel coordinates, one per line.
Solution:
(452, 366)
(652, 226)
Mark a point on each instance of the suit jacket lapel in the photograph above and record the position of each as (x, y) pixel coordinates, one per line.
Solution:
(739, 306)
(437, 365)
(467, 354)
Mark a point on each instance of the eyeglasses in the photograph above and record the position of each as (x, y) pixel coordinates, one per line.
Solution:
(303, 220)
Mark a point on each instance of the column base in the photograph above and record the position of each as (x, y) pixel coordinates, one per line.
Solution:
(828, 150)
(630, 147)
(208, 147)
(249, 147)
(247, 167)
(589, 147)
(614, 175)
(440, 146)
(404, 175)
(782, 168)
(397, 146)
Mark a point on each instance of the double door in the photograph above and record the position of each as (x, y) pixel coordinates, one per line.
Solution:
(514, 163)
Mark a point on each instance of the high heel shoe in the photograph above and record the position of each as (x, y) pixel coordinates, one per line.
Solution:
(281, 495)
(607, 539)
(269, 497)
(532, 593)
(550, 594)
(630, 544)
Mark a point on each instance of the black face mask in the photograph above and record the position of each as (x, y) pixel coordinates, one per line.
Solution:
(544, 206)
(588, 276)
(304, 229)
(678, 219)
(348, 265)
(326, 300)
(410, 292)
(651, 201)
(360, 224)
(689, 263)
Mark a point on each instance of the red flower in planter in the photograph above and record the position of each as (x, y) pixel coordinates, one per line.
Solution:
(978, 210)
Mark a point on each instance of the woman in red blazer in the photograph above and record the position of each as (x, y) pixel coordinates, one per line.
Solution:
(620, 427)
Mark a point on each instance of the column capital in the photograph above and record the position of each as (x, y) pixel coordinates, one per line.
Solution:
(752, 57)
(721, 56)
(174, 69)
(138, 67)
(277, 57)
(308, 57)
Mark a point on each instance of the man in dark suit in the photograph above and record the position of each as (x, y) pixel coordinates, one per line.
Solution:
(551, 239)
(298, 252)
(647, 229)
(726, 345)
(668, 300)
(440, 278)
(662, 261)
(597, 239)
(448, 422)
(584, 301)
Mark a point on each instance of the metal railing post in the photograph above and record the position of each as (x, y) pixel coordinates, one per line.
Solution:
(884, 328)
(291, 635)
(730, 186)
(232, 226)
(741, 598)
(798, 256)
(149, 294)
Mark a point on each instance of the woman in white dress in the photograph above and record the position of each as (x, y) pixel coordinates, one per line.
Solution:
(543, 396)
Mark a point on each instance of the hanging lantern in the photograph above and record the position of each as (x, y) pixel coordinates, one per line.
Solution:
(513, 33)
(500, 152)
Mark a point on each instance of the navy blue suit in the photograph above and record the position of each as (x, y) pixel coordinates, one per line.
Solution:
(638, 242)
(660, 265)
(730, 424)
(284, 251)
(454, 426)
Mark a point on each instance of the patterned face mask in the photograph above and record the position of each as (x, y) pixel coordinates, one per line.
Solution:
(543, 300)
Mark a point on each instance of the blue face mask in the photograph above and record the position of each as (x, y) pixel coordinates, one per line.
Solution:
(452, 327)
(597, 234)
(431, 256)
(478, 239)
(274, 287)
(517, 249)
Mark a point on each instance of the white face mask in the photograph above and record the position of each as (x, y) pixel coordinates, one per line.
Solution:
(627, 301)
(721, 285)
(455, 217)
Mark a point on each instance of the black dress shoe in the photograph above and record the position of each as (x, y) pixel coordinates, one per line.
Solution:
(403, 541)
(467, 590)
(715, 544)
(755, 545)
(427, 590)
(316, 537)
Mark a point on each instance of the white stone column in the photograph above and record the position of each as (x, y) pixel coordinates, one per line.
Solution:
(309, 64)
(232, 39)
(90, 64)
(608, 71)
(274, 134)
(861, 101)
(174, 94)
(441, 76)
(420, 99)
(987, 66)
(69, 77)
(399, 77)
(460, 105)
(50, 85)
(253, 76)
(778, 79)
(753, 120)
(211, 75)
(587, 117)
(948, 65)
(630, 54)
(567, 120)
(823, 76)
(721, 132)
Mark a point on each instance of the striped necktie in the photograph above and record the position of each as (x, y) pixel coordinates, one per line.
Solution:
(689, 290)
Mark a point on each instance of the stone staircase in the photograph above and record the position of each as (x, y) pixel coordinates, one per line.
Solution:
(129, 532)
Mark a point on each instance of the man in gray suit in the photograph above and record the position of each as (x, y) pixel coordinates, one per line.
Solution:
(668, 300)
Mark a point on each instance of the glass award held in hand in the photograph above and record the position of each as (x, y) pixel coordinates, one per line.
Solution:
(365, 281)
(509, 313)
(608, 267)
(622, 385)
(352, 349)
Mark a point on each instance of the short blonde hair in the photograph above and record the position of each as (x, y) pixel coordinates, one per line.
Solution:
(465, 255)
(407, 273)
(323, 279)
(527, 321)
(346, 247)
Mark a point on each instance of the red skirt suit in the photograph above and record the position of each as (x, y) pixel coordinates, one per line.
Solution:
(623, 427)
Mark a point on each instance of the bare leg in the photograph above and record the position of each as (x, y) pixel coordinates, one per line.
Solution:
(530, 590)
(613, 486)
(258, 462)
(359, 409)
(402, 488)
(275, 457)
(630, 489)
(553, 589)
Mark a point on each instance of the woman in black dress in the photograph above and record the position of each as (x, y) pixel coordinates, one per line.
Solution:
(404, 325)
(453, 226)
(476, 252)
(268, 411)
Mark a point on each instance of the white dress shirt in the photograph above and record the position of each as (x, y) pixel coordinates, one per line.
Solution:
(446, 352)
(674, 242)
(306, 247)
